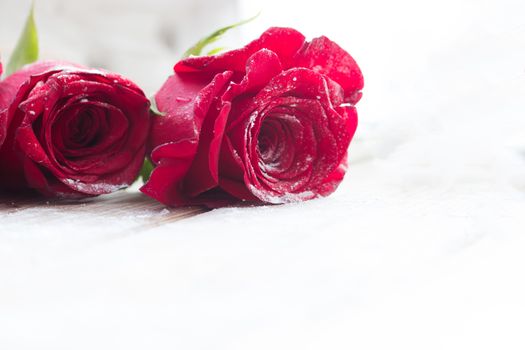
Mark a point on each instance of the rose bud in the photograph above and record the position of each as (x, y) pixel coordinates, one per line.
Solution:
(270, 122)
(71, 131)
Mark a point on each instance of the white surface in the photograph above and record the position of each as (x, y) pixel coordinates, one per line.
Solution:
(421, 248)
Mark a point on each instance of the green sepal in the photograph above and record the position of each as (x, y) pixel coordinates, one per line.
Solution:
(145, 171)
(154, 109)
(215, 51)
(147, 166)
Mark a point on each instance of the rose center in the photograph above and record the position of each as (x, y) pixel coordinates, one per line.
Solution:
(275, 144)
(82, 130)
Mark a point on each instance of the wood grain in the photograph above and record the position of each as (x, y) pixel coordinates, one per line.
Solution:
(122, 204)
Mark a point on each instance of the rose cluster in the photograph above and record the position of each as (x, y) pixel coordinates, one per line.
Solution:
(270, 122)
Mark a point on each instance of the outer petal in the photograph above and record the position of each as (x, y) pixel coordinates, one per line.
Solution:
(283, 41)
(13, 90)
(326, 57)
(204, 172)
(173, 161)
(189, 103)
(185, 100)
(333, 180)
(232, 173)
(9, 86)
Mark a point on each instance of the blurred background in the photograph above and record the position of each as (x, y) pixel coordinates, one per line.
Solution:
(420, 248)
(137, 38)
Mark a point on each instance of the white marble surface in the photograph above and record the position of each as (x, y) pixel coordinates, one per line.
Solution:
(421, 248)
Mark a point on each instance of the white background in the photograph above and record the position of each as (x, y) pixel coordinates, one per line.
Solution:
(422, 247)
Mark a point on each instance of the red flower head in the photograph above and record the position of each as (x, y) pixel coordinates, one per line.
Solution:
(71, 131)
(269, 122)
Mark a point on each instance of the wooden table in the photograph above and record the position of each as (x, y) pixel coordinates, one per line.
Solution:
(146, 212)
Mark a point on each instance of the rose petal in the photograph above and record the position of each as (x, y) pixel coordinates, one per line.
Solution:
(15, 89)
(232, 173)
(184, 100)
(282, 41)
(47, 185)
(106, 155)
(326, 57)
(186, 103)
(203, 174)
(172, 162)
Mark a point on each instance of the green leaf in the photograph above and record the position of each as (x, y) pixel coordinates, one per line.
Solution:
(26, 50)
(196, 50)
(146, 170)
(154, 109)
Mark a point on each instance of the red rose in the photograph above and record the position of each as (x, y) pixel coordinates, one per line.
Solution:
(269, 122)
(71, 131)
